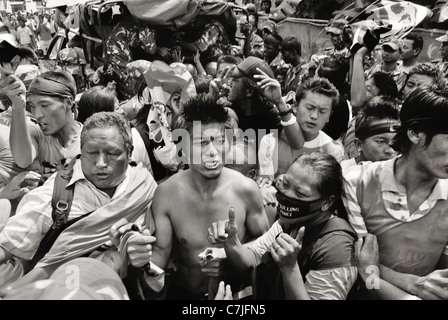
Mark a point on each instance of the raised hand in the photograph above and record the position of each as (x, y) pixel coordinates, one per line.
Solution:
(286, 249)
(219, 86)
(222, 230)
(270, 87)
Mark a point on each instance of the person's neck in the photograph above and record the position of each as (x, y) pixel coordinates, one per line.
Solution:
(309, 137)
(410, 177)
(409, 62)
(388, 66)
(67, 133)
(205, 187)
(110, 191)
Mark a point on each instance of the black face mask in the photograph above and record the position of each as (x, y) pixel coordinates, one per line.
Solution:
(290, 208)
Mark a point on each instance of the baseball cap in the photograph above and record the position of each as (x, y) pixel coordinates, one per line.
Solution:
(336, 26)
(270, 25)
(248, 68)
(443, 38)
(250, 8)
(394, 44)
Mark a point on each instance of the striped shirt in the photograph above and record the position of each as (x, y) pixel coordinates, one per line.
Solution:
(395, 201)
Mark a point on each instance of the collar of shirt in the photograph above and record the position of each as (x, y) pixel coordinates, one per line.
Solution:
(388, 183)
(78, 175)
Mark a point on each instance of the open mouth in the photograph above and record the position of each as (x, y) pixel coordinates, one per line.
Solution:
(211, 164)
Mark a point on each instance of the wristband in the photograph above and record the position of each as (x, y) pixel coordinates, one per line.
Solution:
(290, 122)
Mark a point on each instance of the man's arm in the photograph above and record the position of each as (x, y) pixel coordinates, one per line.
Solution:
(358, 93)
(272, 92)
(163, 229)
(23, 145)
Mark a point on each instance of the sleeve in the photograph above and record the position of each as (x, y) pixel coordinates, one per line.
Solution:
(266, 156)
(331, 284)
(349, 183)
(262, 244)
(24, 231)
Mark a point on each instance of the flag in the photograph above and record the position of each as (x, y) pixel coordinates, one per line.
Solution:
(386, 19)
(440, 11)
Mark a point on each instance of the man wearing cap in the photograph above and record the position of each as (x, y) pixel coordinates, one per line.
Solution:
(391, 53)
(253, 111)
(443, 62)
(56, 140)
(307, 254)
(403, 203)
(335, 31)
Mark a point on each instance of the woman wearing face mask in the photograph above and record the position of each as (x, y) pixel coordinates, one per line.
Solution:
(308, 251)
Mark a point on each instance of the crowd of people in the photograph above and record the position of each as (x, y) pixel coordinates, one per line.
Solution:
(191, 168)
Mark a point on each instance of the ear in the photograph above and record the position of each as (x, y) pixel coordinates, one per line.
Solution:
(249, 92)
(416, 137)
(328, 203)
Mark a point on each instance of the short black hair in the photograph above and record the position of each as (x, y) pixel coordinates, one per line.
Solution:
(204, 109)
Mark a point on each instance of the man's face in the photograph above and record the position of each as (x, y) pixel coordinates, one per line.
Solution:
(51, 113)
(377, 147)
(208, 151)
(415, 81)
(444, 50)
(434, 159)
(299, 182)
(104, 158)
(337, 40)
(408, 49)
(238, 89)
(288, 56)
(270, 51)
(313, 112)
(371, 89)
(389, 55)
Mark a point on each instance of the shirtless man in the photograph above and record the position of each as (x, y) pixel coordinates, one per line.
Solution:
(187, 203)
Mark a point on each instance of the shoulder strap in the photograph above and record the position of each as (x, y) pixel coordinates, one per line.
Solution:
(61, 201)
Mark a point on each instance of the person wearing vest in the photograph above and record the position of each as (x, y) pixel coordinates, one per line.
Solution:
(403, 203)
(308, 253)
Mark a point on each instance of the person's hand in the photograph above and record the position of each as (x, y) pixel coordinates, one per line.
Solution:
(286, 249)
(117, 230)
(219, 86)
(210, 261)
(224, 292)
(20, 185)
(15, 89)
(263, 182)
(140, 248)
(433, 286)
(270, 87)
(222, 230)
(163, 51)
(197, 57)
(367, 255)
(177, 56)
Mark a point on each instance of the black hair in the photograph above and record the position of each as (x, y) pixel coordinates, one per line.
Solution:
(385, 84)
(423, 110)
(204, 109)
(290, 43)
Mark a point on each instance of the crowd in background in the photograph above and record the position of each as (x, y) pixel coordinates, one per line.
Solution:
(332, 186)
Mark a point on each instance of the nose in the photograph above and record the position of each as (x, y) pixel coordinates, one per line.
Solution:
(211, 150)
(37, 113)
(389, 151)
(101, 160)
(313, 114)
